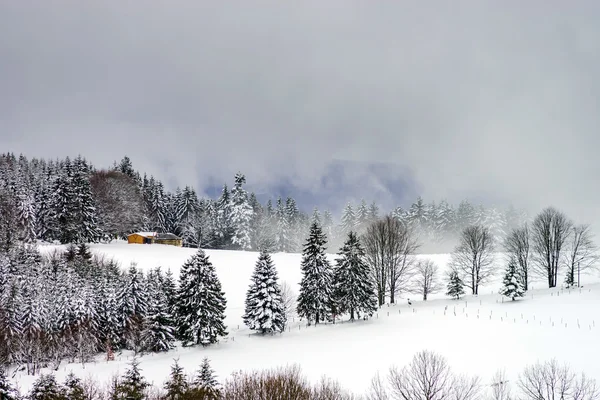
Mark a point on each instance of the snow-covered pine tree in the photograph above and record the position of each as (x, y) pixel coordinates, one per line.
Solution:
(264, 309)
(294, 223)
(7, 391)
(511, 284)
(73, 388)
(224, 228)
(126, 167)
(362, 216)
(177, 384)
(133, 305)
(258, 215)
(373, 212)
(205, 380)
(85, 215)
(45, 388)
(111, 321)
(200, 302)
(316, 286)
(241, 214)
(26, 214)
(348, 222)
(158, 332)
(354, 288)
(133, 385)
(455, 285)
(283, 228)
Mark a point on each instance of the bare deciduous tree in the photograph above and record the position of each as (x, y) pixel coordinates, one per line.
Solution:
(582, 253)
(377, 390)
(288, 300)
(549, 381)
(119, 201)
(426, 278)
(428, 376)
(516, 246)
(500, 387)
(549, 233)
(389, 248)
(474, 256)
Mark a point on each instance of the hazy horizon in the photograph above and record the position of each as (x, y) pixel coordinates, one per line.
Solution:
(486, 101)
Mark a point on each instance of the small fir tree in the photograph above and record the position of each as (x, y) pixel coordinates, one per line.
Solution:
(7, 392)
(206, 381)
(354, 287)
(455, 285)
(73, 388)
(133, 385)
(264, 309)
(200, 303)
(316, 286)
(511, 285)
(177, 384)
(46, 388)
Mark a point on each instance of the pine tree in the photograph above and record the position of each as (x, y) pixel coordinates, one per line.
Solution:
(133, 304)
(46, 388)
(264, 310)
(177, 385)
(7, 392)
(511, 284)
(200, 302)
(455, 285)
(348, 219)
(85, 215)
(159, 326)
(283, 227)
(126, 167)
(315, 297)
(354, 286)
(73, 388)
(133, 385)
(241, 214)
(224, 228)
(206, 381)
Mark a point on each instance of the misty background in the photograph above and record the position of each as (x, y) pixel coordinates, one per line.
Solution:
(333, 101)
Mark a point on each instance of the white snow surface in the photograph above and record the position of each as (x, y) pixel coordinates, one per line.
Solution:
(486, 334)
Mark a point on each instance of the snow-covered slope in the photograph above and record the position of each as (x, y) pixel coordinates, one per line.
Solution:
(477, 335)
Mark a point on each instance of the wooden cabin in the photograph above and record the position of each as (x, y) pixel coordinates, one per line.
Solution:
(154, 237)
(141, 237)
(169, 238)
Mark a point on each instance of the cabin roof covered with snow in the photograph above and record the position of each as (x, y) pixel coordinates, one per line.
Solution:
(145, 234)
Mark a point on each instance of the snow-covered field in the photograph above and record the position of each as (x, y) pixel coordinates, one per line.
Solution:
(478, 335)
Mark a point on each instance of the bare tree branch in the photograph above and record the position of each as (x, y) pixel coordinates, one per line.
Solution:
(549, 233)
(474, 256)
(516, 246)
(389, 248)
(582, 253)
(426, 278)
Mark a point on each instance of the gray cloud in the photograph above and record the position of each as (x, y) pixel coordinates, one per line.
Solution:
(498, 99)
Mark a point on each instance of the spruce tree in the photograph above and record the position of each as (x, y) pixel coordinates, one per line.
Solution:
(85, 214)
(46, 388)
(241, 214)
(455, 285)
(348, 219)
(133, 385)
(264, 309)
(283, 227)
(316, 286)
(200, 302)
(158, 332)
(177, 385)
(354, 286)
(7, 392)
(205, 380)
(73, 388)
(512, 286)
(133, 304)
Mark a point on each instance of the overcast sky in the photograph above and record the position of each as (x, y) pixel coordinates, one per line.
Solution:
(499, 99)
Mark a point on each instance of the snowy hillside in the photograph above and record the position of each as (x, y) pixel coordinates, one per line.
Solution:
(477, 335)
